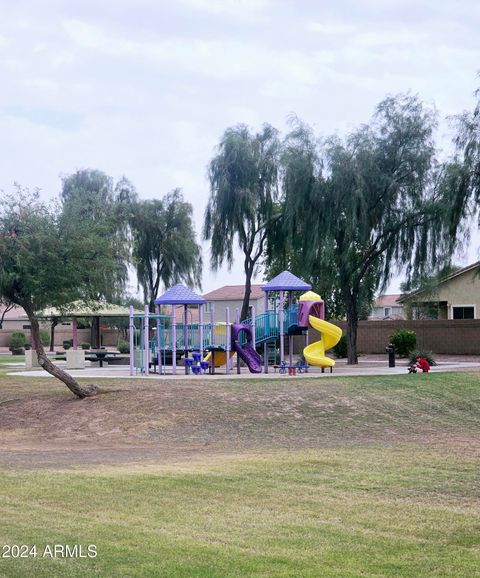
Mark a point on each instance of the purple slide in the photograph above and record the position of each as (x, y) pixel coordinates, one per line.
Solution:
(246, 352)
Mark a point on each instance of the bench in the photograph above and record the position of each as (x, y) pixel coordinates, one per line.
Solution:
(292, 369)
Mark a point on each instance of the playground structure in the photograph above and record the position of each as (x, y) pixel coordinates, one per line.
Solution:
(162, 339)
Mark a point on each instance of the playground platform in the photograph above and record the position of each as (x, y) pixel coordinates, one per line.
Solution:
(368, 365)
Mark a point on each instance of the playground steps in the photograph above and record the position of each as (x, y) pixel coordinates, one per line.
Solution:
(272, 352)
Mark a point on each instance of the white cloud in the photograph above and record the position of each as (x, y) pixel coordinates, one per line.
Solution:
(388, 37)
(331, 28)
(87, 35)
(237, 8)
(225, 60)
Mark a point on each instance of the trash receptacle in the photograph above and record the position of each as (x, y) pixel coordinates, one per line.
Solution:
(390, 349)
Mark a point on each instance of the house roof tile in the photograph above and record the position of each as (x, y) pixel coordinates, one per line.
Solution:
(388, 300)
(233, 293)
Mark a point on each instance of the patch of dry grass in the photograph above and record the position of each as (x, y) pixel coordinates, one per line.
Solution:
(236, 415)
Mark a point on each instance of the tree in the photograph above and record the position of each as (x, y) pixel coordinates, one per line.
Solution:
(463, 174)
(165, 250)
(89, 197)
(322, 274)
(372, 198)
(243, 180)
(48, 259)
(87, 191)
(6, 307)
(122, 324)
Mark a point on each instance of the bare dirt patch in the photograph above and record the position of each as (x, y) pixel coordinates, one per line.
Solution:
(41, 425)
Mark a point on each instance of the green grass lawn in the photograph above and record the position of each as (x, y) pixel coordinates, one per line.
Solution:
(334, 512)
(341, 477)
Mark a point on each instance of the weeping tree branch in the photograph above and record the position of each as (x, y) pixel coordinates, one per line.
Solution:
(243, 179)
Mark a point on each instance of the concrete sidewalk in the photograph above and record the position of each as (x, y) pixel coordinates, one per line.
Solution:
(368, 365)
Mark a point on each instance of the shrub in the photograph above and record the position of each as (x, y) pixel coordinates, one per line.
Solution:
(427, 354)
(67, 344)
(340, 349)
(123, 346)
(85, 345)
(83, 323)
(17, 340)
(405, 341)
(44, 337)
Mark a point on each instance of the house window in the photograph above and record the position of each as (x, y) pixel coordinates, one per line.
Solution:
(463, 312)
(387, 311)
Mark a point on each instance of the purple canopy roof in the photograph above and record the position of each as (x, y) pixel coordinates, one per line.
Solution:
(179, 295)
(286, 281)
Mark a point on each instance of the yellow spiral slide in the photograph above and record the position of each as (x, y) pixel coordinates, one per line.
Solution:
(315, 352)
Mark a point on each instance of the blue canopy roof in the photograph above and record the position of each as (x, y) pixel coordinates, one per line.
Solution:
(286, 281)
(179, 295)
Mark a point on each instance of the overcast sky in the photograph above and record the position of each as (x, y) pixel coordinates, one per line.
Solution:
(145, 88)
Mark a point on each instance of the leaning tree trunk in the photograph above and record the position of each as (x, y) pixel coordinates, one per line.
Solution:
(352, 326)
(80, 391)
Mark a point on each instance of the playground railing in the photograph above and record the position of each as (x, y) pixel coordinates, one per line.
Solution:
(291, 317)
(190, 336)
(266, 327)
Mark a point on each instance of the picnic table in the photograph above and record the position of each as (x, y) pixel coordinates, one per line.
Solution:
(100, 355)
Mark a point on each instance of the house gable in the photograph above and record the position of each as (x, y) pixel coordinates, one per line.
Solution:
(461, 290)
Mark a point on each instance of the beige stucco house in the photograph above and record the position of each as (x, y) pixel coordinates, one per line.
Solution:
(456, 297)
(387, 307)
(231, 296)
